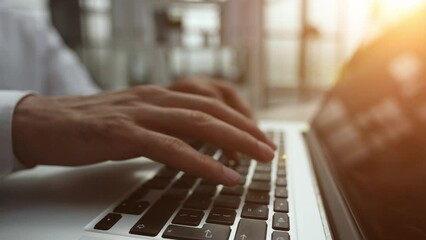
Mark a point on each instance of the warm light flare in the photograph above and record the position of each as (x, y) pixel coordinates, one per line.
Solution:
(392, 10)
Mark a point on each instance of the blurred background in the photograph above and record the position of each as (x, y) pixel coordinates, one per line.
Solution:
(278, 52)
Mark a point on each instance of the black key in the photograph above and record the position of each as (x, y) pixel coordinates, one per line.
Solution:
(255, 211)
(166, 172)
(216, 232)
(281, 173)
(188, 217)
(262, 177)
(257, 197)
(251, 229)
(281, 182)
(244, 162)
(243, 170)
(108, 221)
(263, 168)
(221, 216)
(224, 201)
(176, 193)
(242, 180)
(185, 182)
(281, 222)
(138, 194)
(260, 186)
(209, 231)
(206, 182)
(235, 191)
(281, 192)
(198, 202)
(205, 190)
(211, 150)
(280, 205)
(154, 219)
(280, 236)
(157, 183)
(197, 145)
(132, 207)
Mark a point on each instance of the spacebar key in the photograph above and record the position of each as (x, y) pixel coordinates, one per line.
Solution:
(155, 218)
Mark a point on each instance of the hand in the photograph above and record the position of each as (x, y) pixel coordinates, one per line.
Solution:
(213, 88)
(142, 121)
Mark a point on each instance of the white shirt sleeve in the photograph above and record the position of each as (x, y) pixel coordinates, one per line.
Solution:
(8, 100)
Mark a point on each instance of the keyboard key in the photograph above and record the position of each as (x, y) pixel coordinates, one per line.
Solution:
(167, 172)
(280, 236)
(214, 231)
(211, 150)
(108, 221)
(281, 192)
(260, 186)
(221, 216)
(198, 202)
(205, 190)
(260, 168)
(224, 201)
(281, 222)
(243, 170)
(281, 165)
(249, 229)
(262, 177)
(154, 219)
(242, 180)
(258, 197)
(206, 182)
(235, 191)
(281, 182)
(188, 217)
(176, 193)
(244, 162)
(209, 231)
(281, 172)
(132, 207)
(280, 205)
(138, 194)
(157, 183)
(185, 182)
(255, 211)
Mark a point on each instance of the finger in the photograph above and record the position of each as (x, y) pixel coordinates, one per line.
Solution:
(212, 107)
(177, 154)
(199, 125)
(200, 90)
(233, 99)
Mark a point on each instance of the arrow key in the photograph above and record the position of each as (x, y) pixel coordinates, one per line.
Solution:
(209, 231)
(249, 229)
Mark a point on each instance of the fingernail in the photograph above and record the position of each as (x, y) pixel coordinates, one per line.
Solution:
(266, 150)
(231, 175)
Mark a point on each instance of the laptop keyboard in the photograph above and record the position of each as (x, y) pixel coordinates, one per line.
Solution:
(174, 205)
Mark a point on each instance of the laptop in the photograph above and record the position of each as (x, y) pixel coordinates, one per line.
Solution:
(357, 171)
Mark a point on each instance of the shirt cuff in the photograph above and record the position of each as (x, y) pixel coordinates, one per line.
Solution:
(8, 101)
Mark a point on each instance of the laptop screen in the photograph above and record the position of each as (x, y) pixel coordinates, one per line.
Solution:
(372, 126)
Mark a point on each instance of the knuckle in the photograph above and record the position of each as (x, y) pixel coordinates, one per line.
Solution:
(199, 117)
(117, 120)
(213, 102)
(150, 90)
(174, 144)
